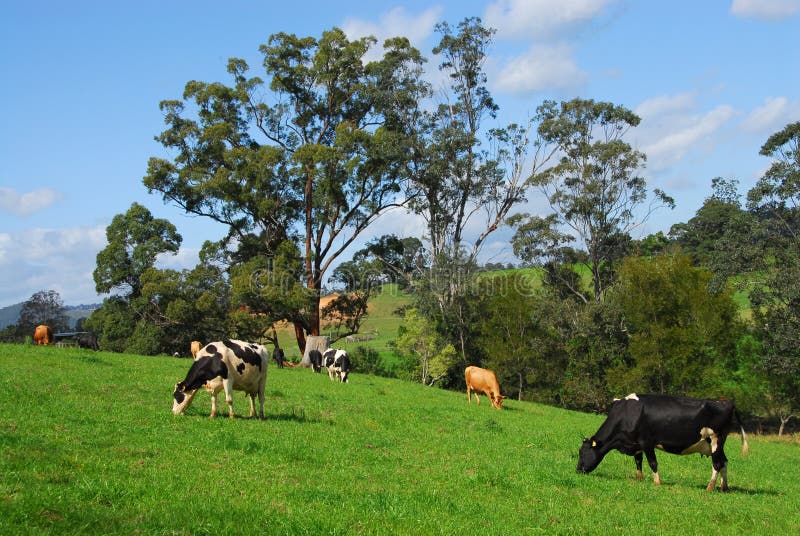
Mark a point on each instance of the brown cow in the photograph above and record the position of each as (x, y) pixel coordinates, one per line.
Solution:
(195, 347)
(485, 381)
(43, 335)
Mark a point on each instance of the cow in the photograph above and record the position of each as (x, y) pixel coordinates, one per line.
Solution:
(485, 381)
(278, 356)
(87, 340)
(315, 357)
(679, 425)
(230, 365)
(43, 335)
(194, 347)
(338, 364)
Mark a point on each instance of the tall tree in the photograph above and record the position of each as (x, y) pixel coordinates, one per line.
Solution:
(467, 174)
(313, 156)
(595, 190)
(44, 307)
(135, 239)
(775, 201)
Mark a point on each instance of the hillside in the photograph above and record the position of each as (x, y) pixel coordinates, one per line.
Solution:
(88, 444)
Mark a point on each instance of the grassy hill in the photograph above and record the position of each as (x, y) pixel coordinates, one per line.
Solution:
(88, 445)
(380, 324)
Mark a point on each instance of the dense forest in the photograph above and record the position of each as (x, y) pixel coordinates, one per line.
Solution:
(298, 164)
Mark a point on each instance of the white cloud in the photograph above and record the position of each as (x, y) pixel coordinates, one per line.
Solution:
(43, 259)
(765, 9)
(672, 127)
(543, 67)
(539, 18)
(776, 113)
(665, 104)
(392, 24)
(28, 203)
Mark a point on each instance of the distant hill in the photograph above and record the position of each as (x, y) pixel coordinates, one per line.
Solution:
(10, 314)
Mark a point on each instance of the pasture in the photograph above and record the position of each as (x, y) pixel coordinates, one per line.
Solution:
(88, 445)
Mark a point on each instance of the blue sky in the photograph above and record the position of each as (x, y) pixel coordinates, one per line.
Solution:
(82, 81)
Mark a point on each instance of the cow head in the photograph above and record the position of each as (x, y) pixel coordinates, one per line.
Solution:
(590, 456)
(181, 398)
(497, 401)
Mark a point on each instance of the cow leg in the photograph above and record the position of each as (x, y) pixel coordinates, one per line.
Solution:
(228, 384)
(252, 397)
(262, 384)
(719, 463)
(469, 395)
(638, 459)
(213, 404)
(653, 463)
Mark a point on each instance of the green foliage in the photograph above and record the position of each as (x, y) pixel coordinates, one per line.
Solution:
(311, 154)
(135, 239)
(704, 235)
(88, 445)
(519, 333)
(594, 190)
(44, 307)
(114, 322)
(428, 358)
(682, 336)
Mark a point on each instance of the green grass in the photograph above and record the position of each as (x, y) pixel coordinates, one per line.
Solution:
(88, 445)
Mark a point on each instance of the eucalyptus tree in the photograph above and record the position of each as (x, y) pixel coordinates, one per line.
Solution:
(468, 173)
(135, 239)
(44, 307)
(595, 190)
(775, 202)
(310, 154)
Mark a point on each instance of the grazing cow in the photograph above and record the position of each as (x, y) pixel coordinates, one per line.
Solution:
(87, 340)
(43, 335)
(194, 347)
(229, 365)
(485, 381)
(678, 425)
(338, 364)
(315, 356)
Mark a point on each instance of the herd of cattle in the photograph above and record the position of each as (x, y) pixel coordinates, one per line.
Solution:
(636, 425)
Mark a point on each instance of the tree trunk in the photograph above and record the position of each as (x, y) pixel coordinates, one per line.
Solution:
(314, 342)
(784, 420)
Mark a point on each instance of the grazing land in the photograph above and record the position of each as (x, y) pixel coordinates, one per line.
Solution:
(88, 444)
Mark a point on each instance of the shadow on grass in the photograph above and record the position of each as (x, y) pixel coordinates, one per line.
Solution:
(733, 490)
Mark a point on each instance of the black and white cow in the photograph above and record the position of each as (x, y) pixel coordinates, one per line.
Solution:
(229, 365)
(338, 364)
(679, 425)
(87, 340)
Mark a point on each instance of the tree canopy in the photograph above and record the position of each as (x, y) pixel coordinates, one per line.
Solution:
(312, 155)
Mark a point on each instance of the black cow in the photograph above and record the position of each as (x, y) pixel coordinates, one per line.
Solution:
(338, 364)
(678, 425)
(87, 340)
(315, 356)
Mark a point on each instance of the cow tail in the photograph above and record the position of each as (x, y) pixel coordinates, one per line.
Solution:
(745, 444)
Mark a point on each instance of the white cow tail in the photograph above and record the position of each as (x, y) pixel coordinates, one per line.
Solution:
(745, 444)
